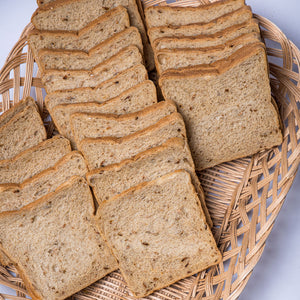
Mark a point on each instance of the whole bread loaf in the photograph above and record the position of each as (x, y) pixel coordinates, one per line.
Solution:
(132, 100)
(34, 160)
(55, 80)
(199, 92)
(23, 130)
(176, 16)
(97, 31)
(54, 244)
(106, 90)
(102, 152)
(168, 238)
(207, 40)
(239, 16)
(172, 155)
(85, 125)
(80, 60)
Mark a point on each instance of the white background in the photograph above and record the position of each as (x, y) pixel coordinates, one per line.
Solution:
(276, 276)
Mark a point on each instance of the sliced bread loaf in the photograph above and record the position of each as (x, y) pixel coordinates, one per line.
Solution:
(210, 40)
(54, 244)
(168, 238)
(176, 16)
(80, 60)
(55, 80)
(86, 125)
(119, 84)
(24, 130)
(239, 16)
(133, 100)
(97, 31)
(172, 155)
(15, 196)
(34, 160)
(180, 58)
(199, 92)
(101, 152)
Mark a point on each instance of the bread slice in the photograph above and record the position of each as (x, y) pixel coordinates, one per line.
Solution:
(132, 100)
(239, 16)
(119, 84)
(210, 40)
(172, 155)
(55, 80)
(97, 31)
(54, 244)
(180, 58)
(248, 116)
(176, 16)
(14, 196)
(105, 151)
(168, 239)
(34, 160)
(86, 125)
(80, 60)
(24, 130)
(76, 14)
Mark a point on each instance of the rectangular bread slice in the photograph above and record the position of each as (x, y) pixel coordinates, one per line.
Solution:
(80, 60)
(172, 155)
(180, 58)
(105, 151)
(54, 243)
(169, 238)
(132, 100)
(208, 40)
(199, 92)
(24, 130)
(239, 16)
(55, 80)
(176, 16)
(76, 14)
(97, 31)
(85, 125)
(34, 160)
(106, 90)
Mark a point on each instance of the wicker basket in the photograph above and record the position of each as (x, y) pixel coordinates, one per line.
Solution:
(244, 196)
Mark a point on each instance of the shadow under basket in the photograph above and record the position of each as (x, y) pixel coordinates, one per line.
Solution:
(244, 196)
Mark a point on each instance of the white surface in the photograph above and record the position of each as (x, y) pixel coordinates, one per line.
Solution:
(276, 276)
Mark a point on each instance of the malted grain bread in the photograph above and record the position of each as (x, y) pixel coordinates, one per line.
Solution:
(111, 88)
(67, 253)
(85, 125)
(168, 238)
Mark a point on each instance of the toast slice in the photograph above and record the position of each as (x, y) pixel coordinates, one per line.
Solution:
(180, 58)
(167, 239)
(80, 60)
(105, 151)
(54, 244)
(23, 130)
(56, 80)
(132, 100)
(106, 90)
(239, 16)
(208, 40)
(34, 160)
(172, 155)
(86, 125)
(207, 87)
(177, 16)
(98, 31)
(76, 14)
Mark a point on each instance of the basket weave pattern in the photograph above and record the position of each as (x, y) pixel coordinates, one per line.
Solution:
(244, 196)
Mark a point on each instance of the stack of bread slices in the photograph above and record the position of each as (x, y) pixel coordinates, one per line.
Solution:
(152, 221)
(212, 64)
